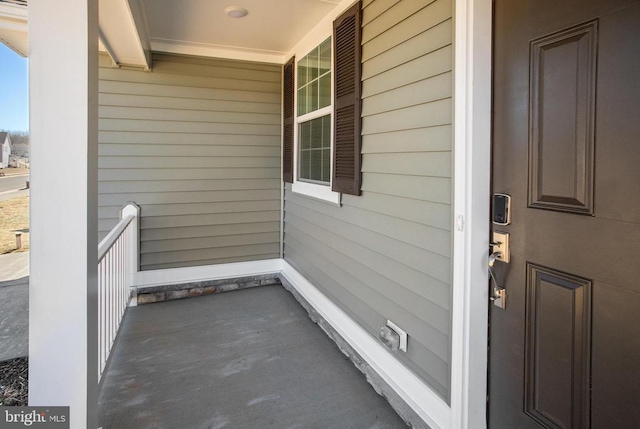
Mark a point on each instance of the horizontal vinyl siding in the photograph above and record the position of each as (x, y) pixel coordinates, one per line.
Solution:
(387, 254)
(196, 143)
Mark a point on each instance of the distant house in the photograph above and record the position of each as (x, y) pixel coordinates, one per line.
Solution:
(20, 150)
(6, 150)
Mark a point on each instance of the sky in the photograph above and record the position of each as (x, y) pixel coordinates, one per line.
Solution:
(14, 92)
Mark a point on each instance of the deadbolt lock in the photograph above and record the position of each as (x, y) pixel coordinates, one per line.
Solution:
(499, 252)
(500, 246)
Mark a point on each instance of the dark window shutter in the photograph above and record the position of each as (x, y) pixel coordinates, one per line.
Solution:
(346, 104)
(288, 120)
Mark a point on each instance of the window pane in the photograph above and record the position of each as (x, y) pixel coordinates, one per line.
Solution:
(302, 101)
(302, 72)
(326, 131)
(314, 79)
(325, 91)
(316, 134)
(325, 56)
(326, 165)
(315, 150)
(313, 96)
(313, 63)
(305, 162)
(305, 135)
(316, 165)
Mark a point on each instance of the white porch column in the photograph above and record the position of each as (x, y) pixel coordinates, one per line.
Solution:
(63, 79)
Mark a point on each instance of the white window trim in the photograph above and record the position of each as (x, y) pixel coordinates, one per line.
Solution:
(313, 190)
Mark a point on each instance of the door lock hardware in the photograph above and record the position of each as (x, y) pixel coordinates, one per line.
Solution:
(501, 209)
(500, 246)
(498, 294)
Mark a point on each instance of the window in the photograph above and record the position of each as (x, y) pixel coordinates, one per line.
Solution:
(314, 157)
(314, 115)
(321, 127)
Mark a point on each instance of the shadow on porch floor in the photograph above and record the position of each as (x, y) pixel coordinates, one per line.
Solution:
(245, 359)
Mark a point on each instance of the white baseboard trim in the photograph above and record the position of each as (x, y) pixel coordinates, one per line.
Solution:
(418, 395)
(173, 276)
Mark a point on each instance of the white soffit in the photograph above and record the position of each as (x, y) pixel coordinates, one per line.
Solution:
(13, 27)
(123, 32)
(201, 27)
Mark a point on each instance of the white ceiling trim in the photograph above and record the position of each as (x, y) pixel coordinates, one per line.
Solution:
(138, 15)
(12, 11)
(11, 25)
(121, 26)
(220, 51)
(103, 45)
(14, 30)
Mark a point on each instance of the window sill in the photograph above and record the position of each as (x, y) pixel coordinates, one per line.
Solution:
(319, 192)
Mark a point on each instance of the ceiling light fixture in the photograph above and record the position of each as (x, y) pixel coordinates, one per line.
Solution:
(236, 12)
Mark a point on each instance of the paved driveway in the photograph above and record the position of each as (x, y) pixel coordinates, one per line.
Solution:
(14, 319)
(14, 305)
(14, 266)
(9, 183)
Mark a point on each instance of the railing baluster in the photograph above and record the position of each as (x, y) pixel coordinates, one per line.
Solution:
(99, 320)
(114, 283)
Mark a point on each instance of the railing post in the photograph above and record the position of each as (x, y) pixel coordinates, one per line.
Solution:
(133, 249)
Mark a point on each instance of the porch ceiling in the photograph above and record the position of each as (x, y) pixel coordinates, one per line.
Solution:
(130, 29)
(13, 26)
(201, 27)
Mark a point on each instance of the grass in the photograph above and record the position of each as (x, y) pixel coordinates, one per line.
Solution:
(14, 216)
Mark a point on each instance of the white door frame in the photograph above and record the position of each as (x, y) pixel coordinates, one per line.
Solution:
(472, 164)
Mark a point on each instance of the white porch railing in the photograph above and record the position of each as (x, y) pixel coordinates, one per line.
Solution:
(117, 264)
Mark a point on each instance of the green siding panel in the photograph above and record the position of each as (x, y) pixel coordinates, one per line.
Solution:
(178, 91)
(393, 18)
(360, 303)
(386, 255)
(387, 38)
(155, 102)
(200, 139)
(431, 40)
(176, 174)
(273, 255)
(193, 255)
(159, 78)
(373, 9)
(432, 64)
(174, 233)
(196, 143)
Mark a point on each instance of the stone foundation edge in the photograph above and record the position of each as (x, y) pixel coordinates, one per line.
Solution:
(153, 294)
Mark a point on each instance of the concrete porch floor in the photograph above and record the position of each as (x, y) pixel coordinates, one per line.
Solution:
(245, 359)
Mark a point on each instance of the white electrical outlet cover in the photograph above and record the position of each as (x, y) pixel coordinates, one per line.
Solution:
(401, 333)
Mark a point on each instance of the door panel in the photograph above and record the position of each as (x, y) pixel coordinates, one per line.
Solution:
(565, 353)
(562, 126)
(558, 349)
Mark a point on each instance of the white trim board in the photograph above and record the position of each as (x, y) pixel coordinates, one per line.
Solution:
(173, 276)
(216, 51)
(472, 167)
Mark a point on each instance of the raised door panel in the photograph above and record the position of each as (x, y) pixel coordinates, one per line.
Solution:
(558, 348)
(561, 117)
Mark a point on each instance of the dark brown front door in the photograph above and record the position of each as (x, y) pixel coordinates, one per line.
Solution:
(565, 353)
